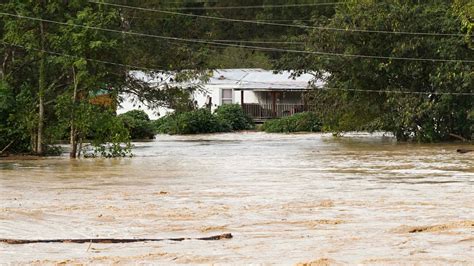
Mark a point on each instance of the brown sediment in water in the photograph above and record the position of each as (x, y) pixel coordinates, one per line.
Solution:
(312, 224)
(25, 157)
(470, 239)
(416, 261)
(213, 228)
(284, 203)
(436, 228)
(319, 262)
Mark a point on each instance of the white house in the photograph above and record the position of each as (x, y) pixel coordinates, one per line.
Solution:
(262, 93)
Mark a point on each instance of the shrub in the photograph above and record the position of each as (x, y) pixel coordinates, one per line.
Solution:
(195, 122)
(138, 124)
(302, 122)
(163, 124)
(235, 116)
(109, 136)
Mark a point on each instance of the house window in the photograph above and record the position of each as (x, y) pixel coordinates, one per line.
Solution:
(227, 96)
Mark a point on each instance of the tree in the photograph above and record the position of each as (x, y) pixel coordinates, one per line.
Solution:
(67, 62)
(138, 124)
(429, 116)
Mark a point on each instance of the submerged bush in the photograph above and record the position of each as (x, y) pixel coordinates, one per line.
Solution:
(138, 124)
(302, 122)
(163, 124)
(195, 122)
(235, 116)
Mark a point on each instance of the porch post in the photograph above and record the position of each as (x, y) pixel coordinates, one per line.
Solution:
(242, 98)
(274, 103)
(303, 101)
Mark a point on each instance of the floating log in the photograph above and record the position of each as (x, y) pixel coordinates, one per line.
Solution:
(464, 150)
(110, 240)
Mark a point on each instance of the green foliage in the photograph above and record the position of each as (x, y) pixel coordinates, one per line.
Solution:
(239, 58)
(15, 119)
(164, 124)
(138, 124)
(30, 76)
(110, 137)
(195, 122)
(235, 116)
(301, 122)
(410, 116)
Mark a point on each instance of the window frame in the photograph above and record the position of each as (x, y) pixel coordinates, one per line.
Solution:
(231, 99)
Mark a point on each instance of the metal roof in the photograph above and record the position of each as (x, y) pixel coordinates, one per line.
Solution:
(244, 79)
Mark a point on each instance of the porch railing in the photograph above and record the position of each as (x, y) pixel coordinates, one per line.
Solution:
(269, 111)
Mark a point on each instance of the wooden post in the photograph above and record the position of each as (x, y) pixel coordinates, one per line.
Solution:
(303, 101)
(274, 103)
(242, 98)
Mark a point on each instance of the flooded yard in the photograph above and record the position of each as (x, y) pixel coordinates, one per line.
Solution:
(285, 198)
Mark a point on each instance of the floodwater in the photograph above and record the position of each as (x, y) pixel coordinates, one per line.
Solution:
(287, 199)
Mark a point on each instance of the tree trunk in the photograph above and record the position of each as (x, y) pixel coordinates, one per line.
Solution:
(3, 71)
(41, 92)
(73, 137)
(80, 147)
(33, 139)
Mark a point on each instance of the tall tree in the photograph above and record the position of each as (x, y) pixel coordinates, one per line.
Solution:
(429, 116)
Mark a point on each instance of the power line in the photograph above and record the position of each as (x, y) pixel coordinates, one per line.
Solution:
(81, 57)
(253, 7)
(160, 69)
(279, 24)
(362, 90)
(260, 48)
(257, 41)
(258, 82)
(405, 92)
(257, 20)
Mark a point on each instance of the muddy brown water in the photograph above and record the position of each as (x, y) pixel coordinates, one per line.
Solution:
(287, 199)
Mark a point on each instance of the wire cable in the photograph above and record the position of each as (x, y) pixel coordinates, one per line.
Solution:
(279, 24)
(81, 57)
(362, 90)
(258, 82)
(405, 92)
(260, 48)
(253, 7)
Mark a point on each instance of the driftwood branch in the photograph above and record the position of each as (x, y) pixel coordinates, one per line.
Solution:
(6, 147)
(464, 150)
(458, 137)
(110, 240)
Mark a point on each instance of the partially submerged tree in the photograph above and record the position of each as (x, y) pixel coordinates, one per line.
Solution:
(65, 61)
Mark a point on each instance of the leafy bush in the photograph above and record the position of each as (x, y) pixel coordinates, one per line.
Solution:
(235, 116)
(194, 122)
(138, 124)
(162, 125)
(302, 122)
(110, 137)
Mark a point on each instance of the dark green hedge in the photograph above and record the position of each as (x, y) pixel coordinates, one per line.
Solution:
(302, 122)
(138, 124)
(235, 116)
(195, 122)
(226, 118)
